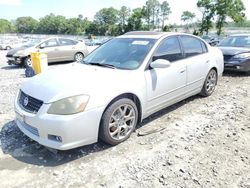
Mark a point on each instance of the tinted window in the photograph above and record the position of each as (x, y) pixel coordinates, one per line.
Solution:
(192, 46)
(66, 42)
(169, 49)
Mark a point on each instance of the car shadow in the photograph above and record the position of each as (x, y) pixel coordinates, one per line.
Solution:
(235, 74)
(24, 149)
(11, 67)
(167, 110)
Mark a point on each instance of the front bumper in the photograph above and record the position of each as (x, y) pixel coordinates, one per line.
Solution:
(241, 66)
(74, 130)
(15, 60)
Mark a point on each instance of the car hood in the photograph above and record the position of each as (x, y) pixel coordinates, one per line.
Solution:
(15, 50)
(76, 79)
(233, 50)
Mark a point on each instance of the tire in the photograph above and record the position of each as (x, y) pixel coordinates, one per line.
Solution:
(27, 62)
(118, 121)
(8, 47)
(210, 83)
(78, 57)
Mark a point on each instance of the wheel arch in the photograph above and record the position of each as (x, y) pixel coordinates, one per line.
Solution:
(132, 97)
(216, 70)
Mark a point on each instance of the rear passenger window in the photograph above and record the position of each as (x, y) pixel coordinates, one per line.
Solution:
(192, 46)
(67, 42)
(169, 49)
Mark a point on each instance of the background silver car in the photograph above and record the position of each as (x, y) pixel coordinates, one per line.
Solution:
(57, 49)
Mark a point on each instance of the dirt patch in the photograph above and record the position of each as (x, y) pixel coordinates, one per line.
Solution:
(199, 142)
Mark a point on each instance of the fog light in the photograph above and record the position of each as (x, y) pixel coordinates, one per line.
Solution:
(55, 138)
(237, 67)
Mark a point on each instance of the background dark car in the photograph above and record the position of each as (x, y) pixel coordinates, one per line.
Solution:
(236, 52)
(213, 41)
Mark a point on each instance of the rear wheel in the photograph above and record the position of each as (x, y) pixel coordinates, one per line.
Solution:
(210, 83)
(8, 47)
(118, 121)
(78, 57)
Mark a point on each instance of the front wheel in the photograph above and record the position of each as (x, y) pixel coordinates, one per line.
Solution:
(27, 62)
(118, 121)
(210, 83)
(78, 57)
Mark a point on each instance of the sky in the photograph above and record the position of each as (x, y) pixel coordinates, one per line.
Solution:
(12, 9)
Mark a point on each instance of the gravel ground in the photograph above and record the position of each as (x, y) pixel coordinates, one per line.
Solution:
(199, 142)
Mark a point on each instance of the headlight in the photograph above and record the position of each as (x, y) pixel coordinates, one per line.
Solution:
(70, 105)
(242, 56)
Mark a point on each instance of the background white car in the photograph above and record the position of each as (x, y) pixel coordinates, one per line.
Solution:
(120, 83)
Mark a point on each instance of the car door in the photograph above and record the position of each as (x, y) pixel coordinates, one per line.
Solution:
(195, 51)
(51, 47)
(67, 49)
(165, 86)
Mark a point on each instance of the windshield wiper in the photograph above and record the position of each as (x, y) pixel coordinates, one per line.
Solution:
(101, 65)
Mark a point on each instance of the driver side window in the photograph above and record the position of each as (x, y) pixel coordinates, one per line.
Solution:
(169, 49)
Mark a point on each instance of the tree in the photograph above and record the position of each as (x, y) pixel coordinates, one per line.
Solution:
(151, 13)
(26, 25)
(106, 17)
(52, 24)
(5, 26)
(233, 9)
(188, 18)
(207, 8)
(165, 11)
(135, 20)
(123, 15)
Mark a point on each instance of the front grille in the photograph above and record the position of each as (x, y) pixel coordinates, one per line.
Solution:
(9, 55)
(227, 57)
(29, 103)
(31, 129)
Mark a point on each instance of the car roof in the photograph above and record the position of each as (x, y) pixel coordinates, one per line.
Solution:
(238, 35)
(146, 34)
(150, 34)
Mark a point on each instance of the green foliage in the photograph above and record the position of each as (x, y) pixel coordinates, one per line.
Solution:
(26, 25)
(165, 11)
(188, 18)
(6, 26)
(123, 16)
(233, 9)
(135, 20)
(207, 8)
(105, 20)
(221, 10)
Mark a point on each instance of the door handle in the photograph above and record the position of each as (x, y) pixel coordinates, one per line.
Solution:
(182, 71)
(207, 61)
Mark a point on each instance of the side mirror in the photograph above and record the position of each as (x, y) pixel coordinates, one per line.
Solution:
(41, 47)
(160, 63)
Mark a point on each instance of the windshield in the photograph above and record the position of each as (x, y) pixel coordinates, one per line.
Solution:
(32, 43)
(236, 41)
(121, 53)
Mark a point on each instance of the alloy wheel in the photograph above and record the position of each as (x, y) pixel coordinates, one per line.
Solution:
(122, 121)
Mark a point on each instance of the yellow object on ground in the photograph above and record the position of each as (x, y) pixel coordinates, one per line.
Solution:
(39, 62)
